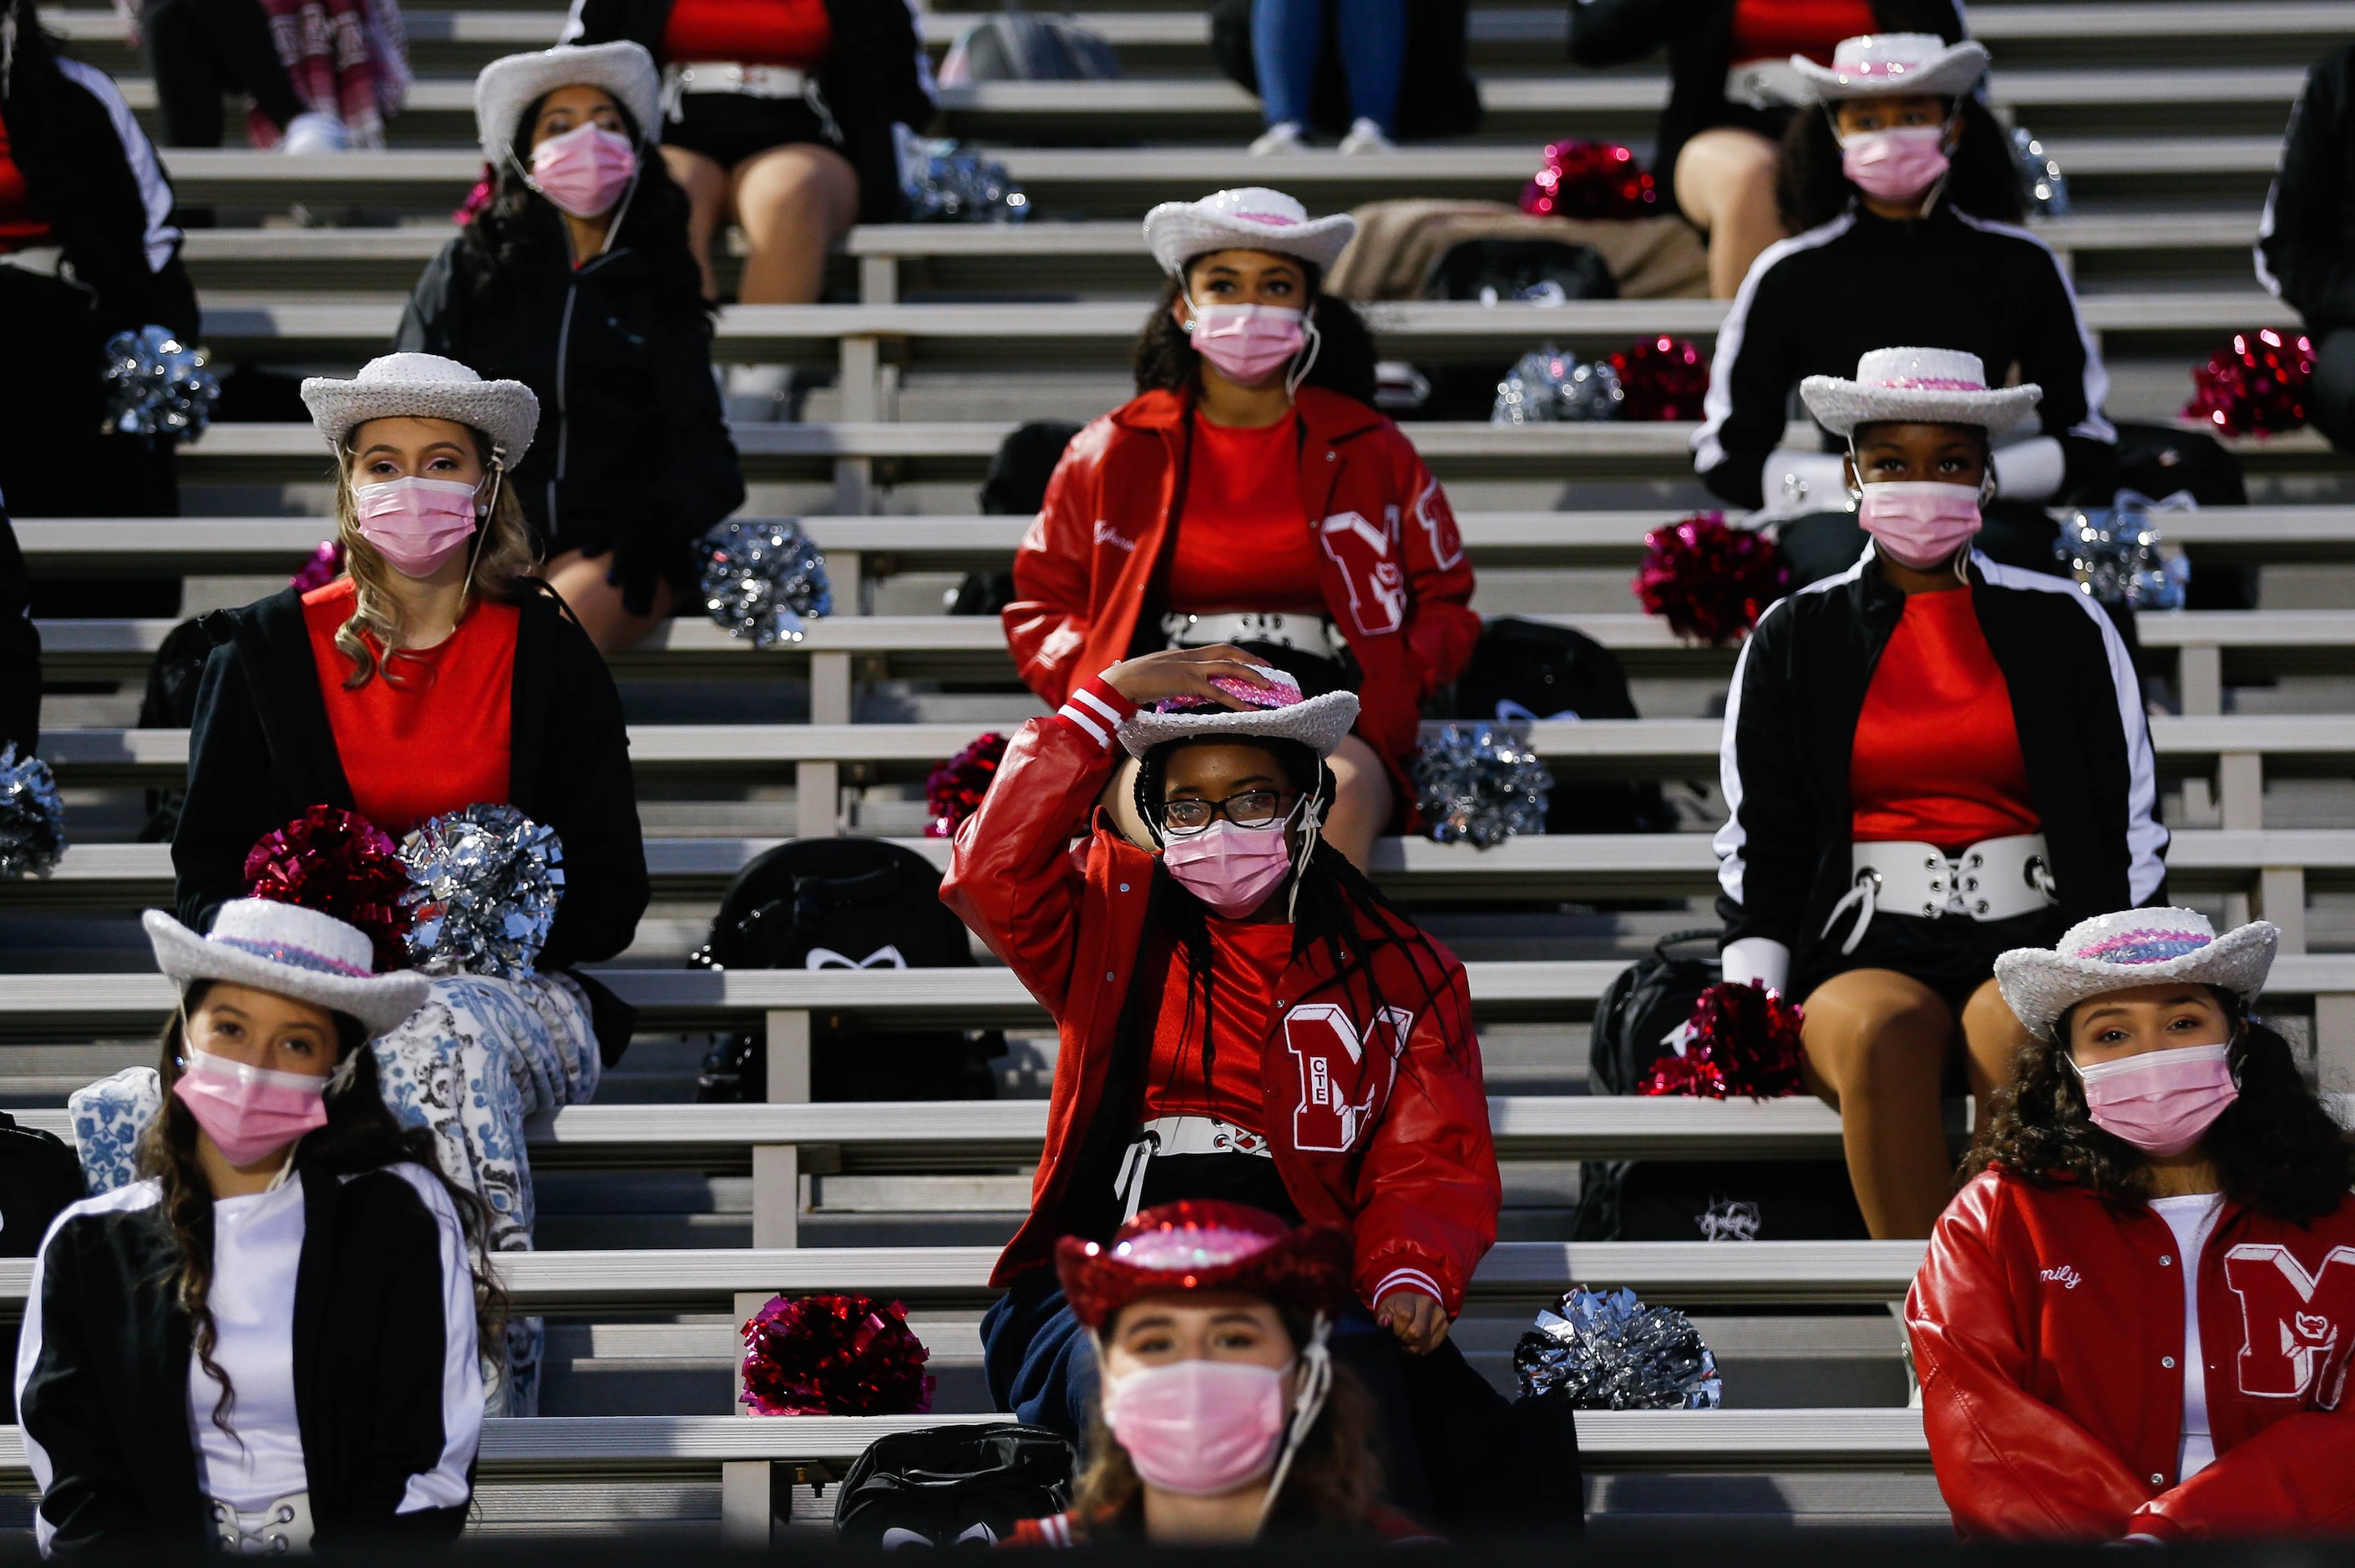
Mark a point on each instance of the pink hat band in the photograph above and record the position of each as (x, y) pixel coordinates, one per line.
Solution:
(1272, 219)
(1930, 383)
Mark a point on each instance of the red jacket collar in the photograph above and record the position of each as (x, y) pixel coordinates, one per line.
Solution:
(1326, 416)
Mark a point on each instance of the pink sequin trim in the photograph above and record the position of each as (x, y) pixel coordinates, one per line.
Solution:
(1273, 219)
(1931, 384)
(1190, 1246)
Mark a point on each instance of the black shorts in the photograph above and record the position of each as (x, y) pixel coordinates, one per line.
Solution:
(729, 127)
(1953, 955)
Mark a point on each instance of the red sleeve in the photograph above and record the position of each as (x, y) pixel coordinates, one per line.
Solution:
(1441, 627)
(1428, 1191)
(2292, 1478)
(2009, 1465)
(1010, 879)
(1046, 624)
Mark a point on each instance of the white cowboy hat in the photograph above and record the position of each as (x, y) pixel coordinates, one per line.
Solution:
(291, 951)
(425, 386)
(1917, 386)
(510, 85)
(1316, 723)
(1252, 217)
(1892, 65)
(2132, 948)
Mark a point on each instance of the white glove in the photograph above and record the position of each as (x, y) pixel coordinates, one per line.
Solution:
(1760, 959)
(2029, 469)
(1796, 481)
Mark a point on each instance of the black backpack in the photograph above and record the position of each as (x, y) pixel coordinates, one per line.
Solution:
(1016, 47)
(1503, 268)
(848, 903)
(1547, 670)
(1015, 486)
(949, 1485)
(170, 703)
(2159, 461)
(40, 1175)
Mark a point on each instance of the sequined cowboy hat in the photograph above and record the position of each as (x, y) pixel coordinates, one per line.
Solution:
(1917, 386)
(1892, 65)
(1205, 1243)
(1316, 723)
(1251, 218)
(424, 386)
(291, 951)
(2133, 948)
(510, 85)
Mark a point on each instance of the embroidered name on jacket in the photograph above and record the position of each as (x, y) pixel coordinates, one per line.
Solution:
(2065, 1276)
(2295, 1342)
(1325, 1044)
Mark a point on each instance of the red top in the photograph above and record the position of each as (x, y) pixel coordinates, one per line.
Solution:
(1246, 960)
(754, 32)
(432, 737)
(1243, 541)
(19, 225)
(1937, 756)
(1777, 29)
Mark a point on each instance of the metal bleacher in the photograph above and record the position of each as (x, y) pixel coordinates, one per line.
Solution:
(662, 1222)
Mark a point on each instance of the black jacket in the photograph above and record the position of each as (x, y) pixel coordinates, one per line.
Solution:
(1817, 303)
(1790, 729)
(1700, 37)
(875, 75)
(260, 752)
(633, 455)
(2305, 241)
(20, 648)
(380, 1347)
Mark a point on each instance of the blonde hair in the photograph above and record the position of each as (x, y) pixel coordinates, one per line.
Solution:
(507, 556)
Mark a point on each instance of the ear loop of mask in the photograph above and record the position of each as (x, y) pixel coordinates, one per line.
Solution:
(482, 525)
(1306, 360)
(1308, 1404)
(1312, 830)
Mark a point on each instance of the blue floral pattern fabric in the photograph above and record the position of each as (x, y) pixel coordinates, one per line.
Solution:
(108, 1118)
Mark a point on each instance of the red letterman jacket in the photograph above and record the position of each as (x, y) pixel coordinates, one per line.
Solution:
(1375, 1125)
(1395, 579)
(2046, 1324)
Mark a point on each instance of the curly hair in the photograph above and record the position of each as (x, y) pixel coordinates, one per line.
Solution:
(2278, 1150)
(1811, 188)
(1166, 359)
(520, 234)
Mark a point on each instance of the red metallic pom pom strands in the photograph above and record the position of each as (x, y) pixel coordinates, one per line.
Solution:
(1590, 179)
(1709, 581)
(953, 791)
(1663, 377)
(1743, 1039)
(326, 565)
(2256, 388)
(833, 1355)
(339, 863)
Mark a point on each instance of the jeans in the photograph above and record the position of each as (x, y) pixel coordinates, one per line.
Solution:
(1289, 38)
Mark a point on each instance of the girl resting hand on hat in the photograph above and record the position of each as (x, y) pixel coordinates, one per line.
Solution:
(270, 1341)
(1251, 494)
(1242, 1015)
(1221, 1413)
(2135, 1319)
(1928, 759)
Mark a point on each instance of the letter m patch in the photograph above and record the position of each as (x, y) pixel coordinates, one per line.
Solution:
(2295, 1327)
(1329, 1117)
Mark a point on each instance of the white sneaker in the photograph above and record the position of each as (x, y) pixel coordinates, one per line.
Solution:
(1365, 136)
(758, 394)
(314, 132)
(1283, 136)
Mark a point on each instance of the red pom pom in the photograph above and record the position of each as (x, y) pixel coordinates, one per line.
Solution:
(1743, 1039)
(1590, 179)
(326, 565)
(2256, 388)
(478, 200)
(953, 791)
(1710, 581)
(833, 1355)
(1664, 377)
(339, 863)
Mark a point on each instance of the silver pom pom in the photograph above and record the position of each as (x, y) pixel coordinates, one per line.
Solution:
(1607, 1350)
(946, 184)
(157, 386)
(32, 818)
(1482, 785)
(2040, 180)
(764, 581)
(487, 881)
(2113, 552)
(1548, 386)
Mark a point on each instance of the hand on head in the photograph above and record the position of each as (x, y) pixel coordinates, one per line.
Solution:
(1186, 673)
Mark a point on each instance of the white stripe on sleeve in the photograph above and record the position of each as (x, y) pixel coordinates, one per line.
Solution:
(445, 1485)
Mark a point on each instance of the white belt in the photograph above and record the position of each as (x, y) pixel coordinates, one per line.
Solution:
(1179, 1135)
(42, 260)
(1994, 879)
(1306, 633)
(732, 76)
(282, 1529)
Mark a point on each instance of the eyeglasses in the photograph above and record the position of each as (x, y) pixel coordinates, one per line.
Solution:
(1251, 809)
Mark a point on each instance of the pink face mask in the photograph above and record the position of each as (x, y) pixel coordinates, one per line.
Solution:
(1202, 1428)
(248, 1112)
(1230, 869)
(2161, 1101)
(585, 170)
(1919, 523)
(417, 523)
(1248, 343)
(1895, 165)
